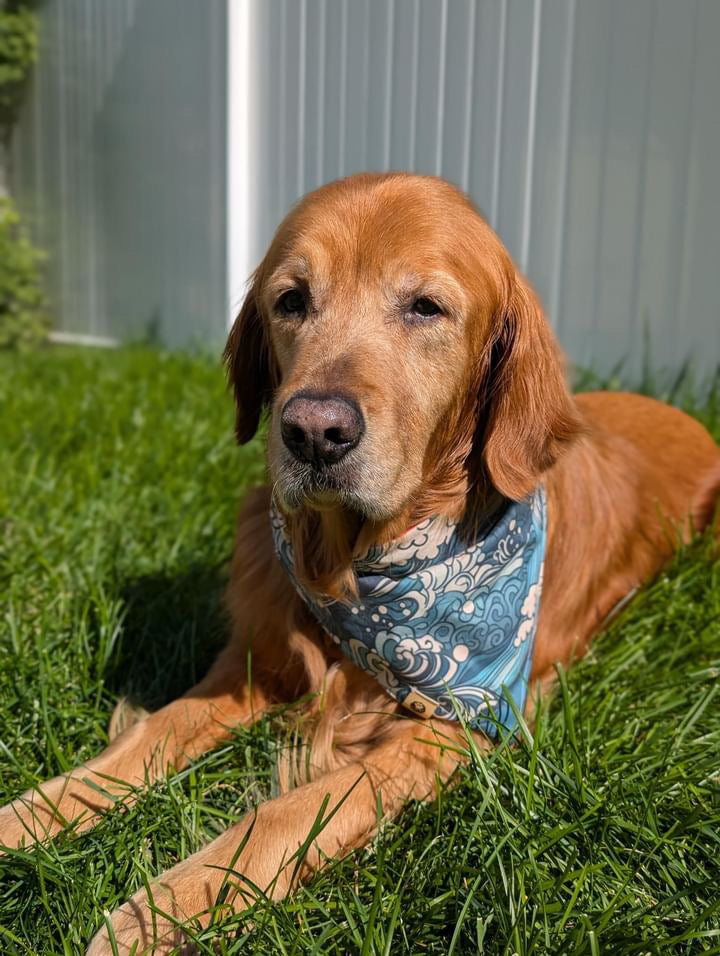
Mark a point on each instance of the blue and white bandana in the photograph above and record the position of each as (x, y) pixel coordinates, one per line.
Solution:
(444, 624)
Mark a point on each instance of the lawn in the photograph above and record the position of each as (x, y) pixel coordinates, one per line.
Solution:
(119, 483)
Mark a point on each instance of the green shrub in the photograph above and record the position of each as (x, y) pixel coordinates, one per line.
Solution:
(23, 319)
(18, 49)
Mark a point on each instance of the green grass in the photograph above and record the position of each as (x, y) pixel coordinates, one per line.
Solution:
(119, 483)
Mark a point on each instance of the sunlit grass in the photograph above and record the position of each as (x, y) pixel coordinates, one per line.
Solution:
(119, 483)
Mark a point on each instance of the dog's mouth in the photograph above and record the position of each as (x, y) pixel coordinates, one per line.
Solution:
(319, 486)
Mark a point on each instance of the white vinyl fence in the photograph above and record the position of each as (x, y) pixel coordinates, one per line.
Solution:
(163, 141)
(119, 165)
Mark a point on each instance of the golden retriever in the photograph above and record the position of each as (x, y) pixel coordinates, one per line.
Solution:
(386, 306)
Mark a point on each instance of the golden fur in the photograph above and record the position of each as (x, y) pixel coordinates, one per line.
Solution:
(460, 411)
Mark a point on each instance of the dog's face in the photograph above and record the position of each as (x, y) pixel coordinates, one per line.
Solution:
(372, 311)
(371, 331)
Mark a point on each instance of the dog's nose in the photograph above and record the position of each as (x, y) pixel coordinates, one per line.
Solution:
(321, 429)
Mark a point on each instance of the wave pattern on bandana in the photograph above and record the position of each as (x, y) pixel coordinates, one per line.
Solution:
(446, 626)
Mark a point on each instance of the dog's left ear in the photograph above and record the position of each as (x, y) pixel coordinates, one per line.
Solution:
(249, 366)
(529, 415)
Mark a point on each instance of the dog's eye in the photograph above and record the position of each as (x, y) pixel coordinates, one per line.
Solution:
(291, 302)
(425, 308)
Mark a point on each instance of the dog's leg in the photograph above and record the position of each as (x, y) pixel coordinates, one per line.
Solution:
(273, 849)
(263, 607)
(140, 754)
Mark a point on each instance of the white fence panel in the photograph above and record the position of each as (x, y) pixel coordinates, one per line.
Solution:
(119, 165)
(588, 132)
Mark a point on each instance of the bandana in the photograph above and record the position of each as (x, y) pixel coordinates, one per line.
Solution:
(445, 624)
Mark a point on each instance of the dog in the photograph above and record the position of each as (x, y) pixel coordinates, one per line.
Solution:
(414, 389)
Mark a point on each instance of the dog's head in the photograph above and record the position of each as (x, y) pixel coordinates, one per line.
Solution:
(399, 351)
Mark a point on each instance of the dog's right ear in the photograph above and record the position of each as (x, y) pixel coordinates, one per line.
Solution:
(249, 366)
(529, 417)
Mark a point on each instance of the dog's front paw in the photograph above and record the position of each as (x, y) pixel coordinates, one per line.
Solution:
(40, 814)
(138, 924)
(12, 828)
(167, 916)
(27, 820)
(151, 922)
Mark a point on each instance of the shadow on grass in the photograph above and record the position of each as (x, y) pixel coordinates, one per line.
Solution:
(174, 626)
